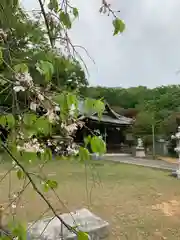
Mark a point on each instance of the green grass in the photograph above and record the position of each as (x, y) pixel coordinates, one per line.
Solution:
(121, 194)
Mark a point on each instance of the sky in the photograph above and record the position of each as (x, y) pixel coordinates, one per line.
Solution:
(147, 53)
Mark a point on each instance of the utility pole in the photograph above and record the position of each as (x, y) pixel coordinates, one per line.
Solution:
(153, 139)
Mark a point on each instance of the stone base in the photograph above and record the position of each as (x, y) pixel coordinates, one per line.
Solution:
(96, 156)
(83, 219)
(140, 153)
(176, 173)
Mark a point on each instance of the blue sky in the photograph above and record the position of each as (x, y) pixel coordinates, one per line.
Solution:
(147, 53)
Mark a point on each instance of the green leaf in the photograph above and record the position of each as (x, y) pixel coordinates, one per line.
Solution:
(99, 107)
(61, 99)
(53, 5)
(29, 119)
(29, 156)
(21, 68)
(71, 100)
(19, 231)
(42, 125)
(3, 121)
(50, 184)
(84, 154)
(13, 149)
(2, 81)
(89, 105)
(45, 68)
(87, 140)
(20, 174)
(75, 12)
(98, 145)
(46, 187)
(119, 26)
(82, 236)
(47, 155)
(4, 238)
(10, 120)
(7, 120)
(1, 57)
(65, 19)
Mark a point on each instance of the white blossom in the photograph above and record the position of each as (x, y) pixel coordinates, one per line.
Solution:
(13, 205)
(14, 196)
(15, 165)
(24, 81)
(21, 135)
(24, 77)
(31, 146)
(40, 96)
(43, 183)
(41, 150)
(3, 34)
(49, 142)
(72, 150)
(81, 124)
(18, 88)
(20, 117)
(33, 106)
(58, 148)
(71, 128)
(57, 108)
(34, 140)
(18, 148)
(52, 116)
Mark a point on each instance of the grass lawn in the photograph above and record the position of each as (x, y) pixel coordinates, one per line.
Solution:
(139, 203)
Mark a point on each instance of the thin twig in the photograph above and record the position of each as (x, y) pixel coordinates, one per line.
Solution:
(6, 174)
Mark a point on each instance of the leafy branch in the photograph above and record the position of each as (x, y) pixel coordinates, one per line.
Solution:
(28, 65)
(38, 191)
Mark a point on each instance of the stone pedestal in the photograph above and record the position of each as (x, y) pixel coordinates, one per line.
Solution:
(51, 229)
(176, 173)
(177, 149)
(140, 152)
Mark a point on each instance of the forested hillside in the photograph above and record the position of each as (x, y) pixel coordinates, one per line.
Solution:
(159, 106)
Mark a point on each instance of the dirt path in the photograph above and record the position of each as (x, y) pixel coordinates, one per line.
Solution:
(159, 164)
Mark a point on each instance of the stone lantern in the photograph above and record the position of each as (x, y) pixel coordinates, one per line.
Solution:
(140, 152)
(177, 149)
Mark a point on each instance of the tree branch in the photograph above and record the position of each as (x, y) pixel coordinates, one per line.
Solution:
(71, 229)
(46, 23)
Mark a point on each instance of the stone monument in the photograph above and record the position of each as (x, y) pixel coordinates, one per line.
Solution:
(83, 219)
(140, 152)
(177, 149)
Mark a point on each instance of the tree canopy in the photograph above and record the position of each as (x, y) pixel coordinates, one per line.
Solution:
(160, 106)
